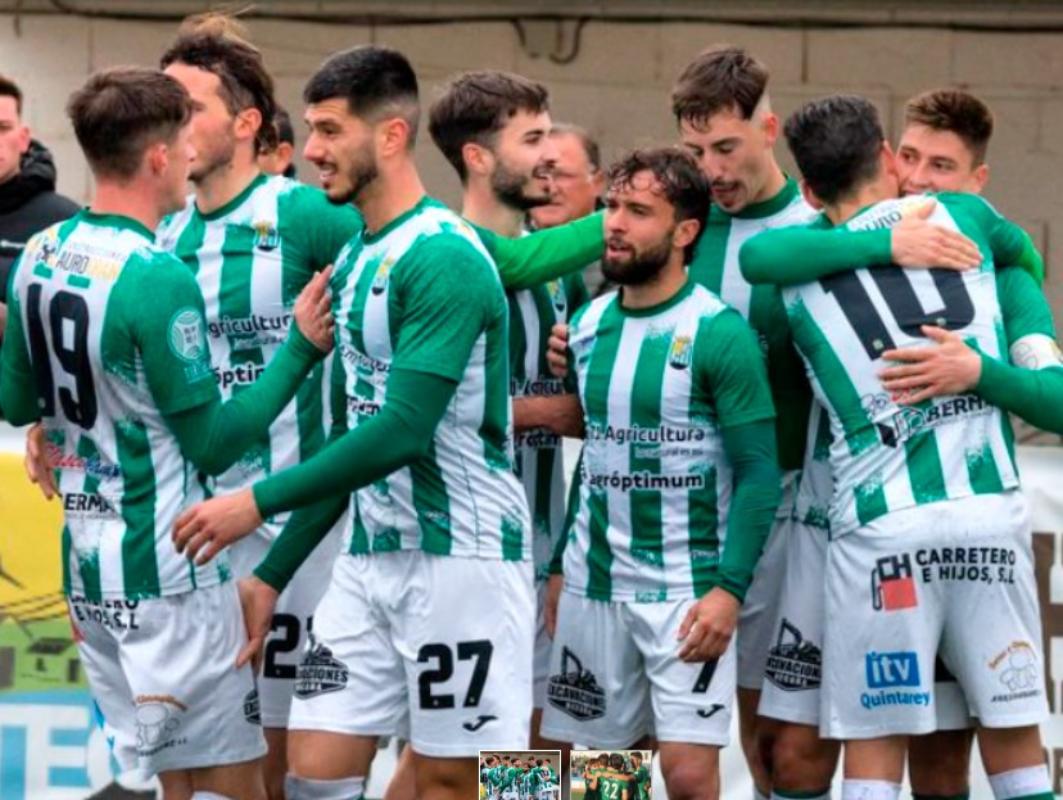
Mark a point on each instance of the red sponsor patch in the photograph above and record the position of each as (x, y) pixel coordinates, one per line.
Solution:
(899, 593)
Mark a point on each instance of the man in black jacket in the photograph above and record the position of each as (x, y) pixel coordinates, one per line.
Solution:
(28, 202)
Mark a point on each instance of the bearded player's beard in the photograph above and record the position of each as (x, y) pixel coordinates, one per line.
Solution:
(511, 188)
(362, 173)
(640, 267)
(213, 161)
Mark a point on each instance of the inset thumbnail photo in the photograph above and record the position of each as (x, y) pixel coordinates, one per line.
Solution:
(611, 775)
(520, 775)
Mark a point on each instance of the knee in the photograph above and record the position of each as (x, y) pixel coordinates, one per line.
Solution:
(939, 764)
(801, 760)
(689, 780)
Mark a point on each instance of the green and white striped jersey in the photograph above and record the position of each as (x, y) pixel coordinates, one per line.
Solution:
(114, 331)
(251, 258)
(887, 456)
(423, 294)
(532, 313)
(656, 386)
(715, 265)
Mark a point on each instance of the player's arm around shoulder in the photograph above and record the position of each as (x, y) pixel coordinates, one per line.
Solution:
(317, 227)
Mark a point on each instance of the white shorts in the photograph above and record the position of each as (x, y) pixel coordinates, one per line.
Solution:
(953, 578)
(436, 645)
(543, 645)
(616, 678)
(792, 678)
(757, 617)
(162, 674)
(793, 673)
(292, 617)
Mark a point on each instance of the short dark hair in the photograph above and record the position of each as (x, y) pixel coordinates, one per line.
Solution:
(283, 122)
(376, 81)
(477, 105)
(120, 112)
(8, 88)
(722, 78)
(836, 142)
(616, 761)
(683, 183)
(588, 142)
(955, 111)
(245, 81)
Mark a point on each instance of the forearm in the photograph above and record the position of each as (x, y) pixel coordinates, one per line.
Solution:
(548, 254)
(305, 530)
(751, 451)
(561, 414)
(795, 255)
(399, 434)
(214, 436)
(1033, 395)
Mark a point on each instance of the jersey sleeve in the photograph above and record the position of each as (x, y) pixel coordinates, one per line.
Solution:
(548, 254)
(730, 363)
(1009, 243)
(1023, 306)
(320, 226)
(18, 397)
(446, 297)
(164, 310)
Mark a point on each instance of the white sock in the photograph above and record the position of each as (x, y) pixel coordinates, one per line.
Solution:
(870, 790)
(297, 788)
(758, 795)
(779, 794)
(1020, 782)
(201, 795)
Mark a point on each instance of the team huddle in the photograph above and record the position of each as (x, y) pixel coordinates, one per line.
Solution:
(314, 436)
(512, 778)
(611, 776)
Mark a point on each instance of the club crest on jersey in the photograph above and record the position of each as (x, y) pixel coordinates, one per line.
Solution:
(557, 296)
(383, 272)
(681, 353)
(267, 237)
(188, 336)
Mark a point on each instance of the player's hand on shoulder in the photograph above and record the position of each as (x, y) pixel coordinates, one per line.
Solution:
(257, 600)
(709, 625)
(557, 350)
(206, 528)
(313, 311)
(38, 465)
(916, 242)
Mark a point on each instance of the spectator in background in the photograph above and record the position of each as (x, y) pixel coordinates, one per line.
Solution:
(278, 161)
(576, 186)
(28, 202)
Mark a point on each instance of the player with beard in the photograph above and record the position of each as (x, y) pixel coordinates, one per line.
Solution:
(421, 438)
(679, 486)
(942, 148)
(861, 170)
(493, 129)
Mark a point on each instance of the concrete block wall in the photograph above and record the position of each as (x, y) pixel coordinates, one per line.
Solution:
(618, 84)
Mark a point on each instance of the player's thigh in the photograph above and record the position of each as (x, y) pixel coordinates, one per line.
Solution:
(794, 671)
(882, 631)
(939, 763)
(992, 640)
(692, 702)
(237, 781)
(193, 707)
(328, 755)
(756, 618)
(445, 777)
(467, 654)
(690, 770)
(351, 679)
(598, 693)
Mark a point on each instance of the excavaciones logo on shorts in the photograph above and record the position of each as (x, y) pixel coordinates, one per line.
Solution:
(891, 677)
(575, 690)
(188, 339)
(320, 672)
(794, 663)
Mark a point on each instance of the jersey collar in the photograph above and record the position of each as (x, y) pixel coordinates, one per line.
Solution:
(675, 299)
(773, 205)
(117, 221)
(235, 203)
